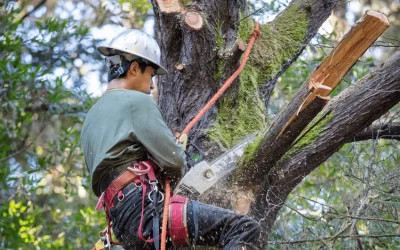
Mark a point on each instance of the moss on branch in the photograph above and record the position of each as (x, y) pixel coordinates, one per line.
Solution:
(310, 134)
(280, 40)
(233, 124)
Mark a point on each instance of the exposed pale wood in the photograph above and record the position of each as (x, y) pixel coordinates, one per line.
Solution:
(194, 20)
(241, 45)
(170, 6)
(180, 66)
(304, 107)
(352, 46)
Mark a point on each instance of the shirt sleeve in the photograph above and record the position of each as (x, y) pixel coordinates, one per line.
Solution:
(152, 132)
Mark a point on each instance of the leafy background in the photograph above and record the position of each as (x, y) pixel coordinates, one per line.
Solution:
(49, 65)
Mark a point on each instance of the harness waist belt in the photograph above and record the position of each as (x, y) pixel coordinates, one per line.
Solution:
(116, 185)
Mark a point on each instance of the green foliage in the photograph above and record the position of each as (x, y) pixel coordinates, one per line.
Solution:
(141, 6)
(44, 199)
(360, 174)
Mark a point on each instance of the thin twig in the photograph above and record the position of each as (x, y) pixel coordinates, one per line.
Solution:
(34, 9)
(330, 238)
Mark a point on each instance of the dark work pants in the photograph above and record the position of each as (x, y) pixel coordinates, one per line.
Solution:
(208, 225)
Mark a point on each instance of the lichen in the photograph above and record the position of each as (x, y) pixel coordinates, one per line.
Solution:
(243, 114)
(311, 132)
(219, 39)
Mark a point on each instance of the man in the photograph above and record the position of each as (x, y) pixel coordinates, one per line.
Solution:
(124, 137)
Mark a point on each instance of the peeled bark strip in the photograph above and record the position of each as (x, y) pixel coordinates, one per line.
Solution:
(296, 116)
(346, 115)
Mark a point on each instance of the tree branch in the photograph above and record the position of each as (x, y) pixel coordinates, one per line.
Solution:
(313, 95)
(374, 132)
(33, 10)
(347, 114)
(330, 238)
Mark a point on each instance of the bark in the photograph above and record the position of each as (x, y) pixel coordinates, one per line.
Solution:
(185, 51)
(183, 92)
(346, 115)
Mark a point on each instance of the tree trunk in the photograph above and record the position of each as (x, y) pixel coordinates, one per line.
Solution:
(201, 43)
(200, 60)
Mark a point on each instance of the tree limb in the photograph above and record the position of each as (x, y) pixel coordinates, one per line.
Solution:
(313, 95)
(347, 114)
(374, 132)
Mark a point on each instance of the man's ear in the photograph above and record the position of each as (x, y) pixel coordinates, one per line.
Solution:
(133, 69)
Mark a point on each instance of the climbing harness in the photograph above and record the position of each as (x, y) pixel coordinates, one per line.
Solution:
(175, 206)
(141, 175)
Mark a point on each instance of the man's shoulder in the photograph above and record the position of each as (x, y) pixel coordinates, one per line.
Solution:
(124, 97)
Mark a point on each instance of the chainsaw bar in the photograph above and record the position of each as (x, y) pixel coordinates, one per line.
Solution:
(203, 175)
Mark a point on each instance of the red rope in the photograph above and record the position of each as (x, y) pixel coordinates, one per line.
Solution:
(228, 82)
(165, 215)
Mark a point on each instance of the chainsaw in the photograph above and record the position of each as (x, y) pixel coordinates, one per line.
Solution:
(204, 175)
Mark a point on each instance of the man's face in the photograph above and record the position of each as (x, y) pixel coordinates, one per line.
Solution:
(144, 80)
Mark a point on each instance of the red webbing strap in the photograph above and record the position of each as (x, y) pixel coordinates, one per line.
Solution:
(178, 230)
(106, 198)
(131, 175)
(140, 229)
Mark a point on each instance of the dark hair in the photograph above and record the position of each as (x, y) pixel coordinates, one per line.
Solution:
(115, 71)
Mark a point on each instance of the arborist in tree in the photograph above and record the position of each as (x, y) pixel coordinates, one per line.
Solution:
(129, 150)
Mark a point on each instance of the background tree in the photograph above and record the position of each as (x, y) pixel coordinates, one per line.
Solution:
(47, 59)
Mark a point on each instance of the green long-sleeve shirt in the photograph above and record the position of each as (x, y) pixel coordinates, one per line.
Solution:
(122, 127)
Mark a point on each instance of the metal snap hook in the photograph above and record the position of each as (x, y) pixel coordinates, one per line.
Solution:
(149, 196)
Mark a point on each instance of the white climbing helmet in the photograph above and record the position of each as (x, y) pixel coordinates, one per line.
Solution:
(133, 44)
